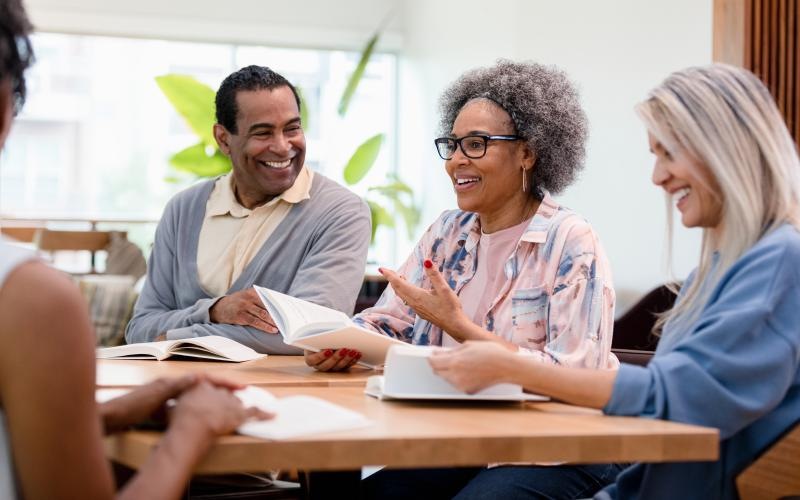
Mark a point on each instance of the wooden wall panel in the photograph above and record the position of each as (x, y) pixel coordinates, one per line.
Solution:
(762, 36)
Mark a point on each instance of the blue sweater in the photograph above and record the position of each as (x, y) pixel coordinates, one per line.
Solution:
(736, 368)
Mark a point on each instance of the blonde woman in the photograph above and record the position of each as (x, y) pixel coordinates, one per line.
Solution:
(729, 353)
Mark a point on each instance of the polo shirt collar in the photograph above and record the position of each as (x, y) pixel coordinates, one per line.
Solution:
(223, 200)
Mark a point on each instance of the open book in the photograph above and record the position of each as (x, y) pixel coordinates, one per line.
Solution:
(296, 415)
(315, 327)
(408, 375)
(212, 348)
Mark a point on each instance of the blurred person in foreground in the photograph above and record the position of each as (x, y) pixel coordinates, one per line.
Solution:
(51, 428)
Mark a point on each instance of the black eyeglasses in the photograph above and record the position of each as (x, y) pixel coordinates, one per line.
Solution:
(473, 146)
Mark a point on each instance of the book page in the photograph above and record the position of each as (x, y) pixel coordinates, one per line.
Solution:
(214, 347)
(296, 416)
(292, 314)
(145, 350)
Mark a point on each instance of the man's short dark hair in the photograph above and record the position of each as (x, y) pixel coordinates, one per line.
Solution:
(248, 78)
(16, 52)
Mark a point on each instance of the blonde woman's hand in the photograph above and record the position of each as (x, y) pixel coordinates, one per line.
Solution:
(475, 365)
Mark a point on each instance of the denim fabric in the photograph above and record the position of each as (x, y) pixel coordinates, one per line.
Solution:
(506, 482)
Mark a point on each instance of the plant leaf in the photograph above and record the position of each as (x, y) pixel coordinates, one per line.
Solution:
(358, 73)
(303, 108)
(196, 160)
(395, 192)
(380, 217)
(410, 216)
(394, 187)
(362, 160)
(194, 101)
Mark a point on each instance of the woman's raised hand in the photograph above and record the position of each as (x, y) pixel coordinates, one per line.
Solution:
(439, 305)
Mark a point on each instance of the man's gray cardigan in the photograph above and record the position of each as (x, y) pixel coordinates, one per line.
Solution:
(316, 253)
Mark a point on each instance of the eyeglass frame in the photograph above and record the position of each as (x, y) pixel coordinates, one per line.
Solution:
(458, 141)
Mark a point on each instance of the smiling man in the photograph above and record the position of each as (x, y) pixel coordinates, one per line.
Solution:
(271, 222)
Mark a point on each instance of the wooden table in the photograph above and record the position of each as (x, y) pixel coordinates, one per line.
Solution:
(447, 434)
(287, 371)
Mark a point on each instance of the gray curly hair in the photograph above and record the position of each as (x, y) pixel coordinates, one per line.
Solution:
(544, 107)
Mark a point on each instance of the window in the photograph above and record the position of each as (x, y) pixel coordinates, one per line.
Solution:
(94, 138)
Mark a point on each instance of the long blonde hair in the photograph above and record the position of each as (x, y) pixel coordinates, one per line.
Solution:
(725, 117)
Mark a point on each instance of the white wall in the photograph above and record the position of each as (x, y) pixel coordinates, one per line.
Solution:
(615, 50)
(343, 24)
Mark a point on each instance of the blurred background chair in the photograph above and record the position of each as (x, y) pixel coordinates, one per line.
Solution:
(53, 241)
(776, 473)
(633, 340)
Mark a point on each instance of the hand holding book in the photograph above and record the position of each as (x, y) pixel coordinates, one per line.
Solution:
(317, 328)
(330, 360)
(243, 308)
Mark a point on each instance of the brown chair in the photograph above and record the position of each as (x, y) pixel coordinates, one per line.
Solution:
(50, 240)
(23, 234)
(633, 340)
(776, 473)
(371, 289)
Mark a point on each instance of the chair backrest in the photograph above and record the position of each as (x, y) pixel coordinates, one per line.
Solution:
(50, 240)
(633, 340)
(776, 473)
(23, 234)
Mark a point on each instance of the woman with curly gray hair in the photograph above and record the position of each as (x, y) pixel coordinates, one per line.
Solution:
(511, 266)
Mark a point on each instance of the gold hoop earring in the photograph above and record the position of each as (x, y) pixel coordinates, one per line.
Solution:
(524, 182)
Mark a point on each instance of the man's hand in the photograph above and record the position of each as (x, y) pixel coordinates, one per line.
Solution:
(243, 308)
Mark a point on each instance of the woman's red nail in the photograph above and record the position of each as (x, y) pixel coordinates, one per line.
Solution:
(343, 353)
(428, 263)
(380, 270)
(328, 353)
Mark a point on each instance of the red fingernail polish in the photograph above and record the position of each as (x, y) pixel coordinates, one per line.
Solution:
(428, 263)
(353, 354)
(343, 352)
(328, 353)
(380, 270)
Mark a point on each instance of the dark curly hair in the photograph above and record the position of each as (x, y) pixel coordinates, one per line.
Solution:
(544, 108)
(16, 52)
(247, 78)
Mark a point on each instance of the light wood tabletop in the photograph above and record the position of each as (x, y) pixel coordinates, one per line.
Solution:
(447, 434)
(289, 371)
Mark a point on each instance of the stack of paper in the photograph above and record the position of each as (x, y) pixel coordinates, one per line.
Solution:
(296, 415)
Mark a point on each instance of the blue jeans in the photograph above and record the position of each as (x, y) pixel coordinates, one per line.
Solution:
(507, 482)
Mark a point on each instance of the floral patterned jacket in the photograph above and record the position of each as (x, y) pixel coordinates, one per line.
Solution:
(557, 302)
